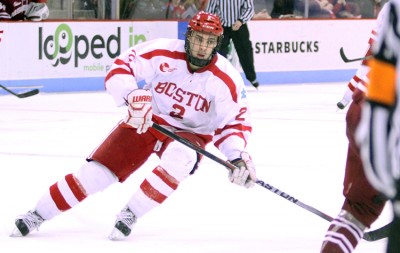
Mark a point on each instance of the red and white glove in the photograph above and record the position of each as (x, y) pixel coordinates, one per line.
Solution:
(139, 110)
(245, 174)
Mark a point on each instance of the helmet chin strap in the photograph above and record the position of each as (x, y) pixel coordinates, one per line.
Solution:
(198, 62)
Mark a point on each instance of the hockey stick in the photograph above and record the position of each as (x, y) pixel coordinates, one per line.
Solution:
(345, 59)
(368, 236)
(21, 95)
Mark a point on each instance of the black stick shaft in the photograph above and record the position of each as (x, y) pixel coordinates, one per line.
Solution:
(369, 236)
(232, 167)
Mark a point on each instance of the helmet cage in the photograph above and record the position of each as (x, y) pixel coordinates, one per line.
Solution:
(204, 23)
(194, 60)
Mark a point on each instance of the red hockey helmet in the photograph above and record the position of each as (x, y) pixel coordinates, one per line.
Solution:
(206, 23)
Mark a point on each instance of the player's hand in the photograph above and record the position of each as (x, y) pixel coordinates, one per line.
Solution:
(37, 11)
(139, 110)
(245, 174)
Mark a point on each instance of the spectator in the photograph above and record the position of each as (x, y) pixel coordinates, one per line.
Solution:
(176, 9)
(179, 9)
(283, 9)
(345, 9)
(34, 10)
(316, 8)
(262, 14)
(192, 7)
(148, 10)
(234, 18)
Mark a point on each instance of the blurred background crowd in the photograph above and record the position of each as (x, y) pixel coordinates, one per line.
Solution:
(185, 9)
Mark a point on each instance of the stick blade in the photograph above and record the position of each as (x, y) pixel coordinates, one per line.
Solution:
(21, 95)
(378, 234)
(346, 60)
(28, 93)
(343, 55)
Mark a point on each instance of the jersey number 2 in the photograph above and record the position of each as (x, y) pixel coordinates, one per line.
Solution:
(179, 111)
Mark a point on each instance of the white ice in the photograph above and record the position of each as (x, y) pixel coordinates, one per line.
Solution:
(298, 145)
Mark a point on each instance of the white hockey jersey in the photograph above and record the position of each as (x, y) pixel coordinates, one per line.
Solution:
(211, 102)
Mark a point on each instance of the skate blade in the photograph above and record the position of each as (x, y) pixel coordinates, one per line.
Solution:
(16, 233)
(116, 235)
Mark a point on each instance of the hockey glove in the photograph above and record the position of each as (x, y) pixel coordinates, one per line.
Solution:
(245, 174)
(139, 110)
(37, 12)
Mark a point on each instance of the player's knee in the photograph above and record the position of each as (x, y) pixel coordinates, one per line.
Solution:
(364, 207)
(178, 160)
(94, 177)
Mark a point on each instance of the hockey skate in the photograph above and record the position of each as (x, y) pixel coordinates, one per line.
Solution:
(26, 223)
(126, 219)
(342, 103)
(347, 98)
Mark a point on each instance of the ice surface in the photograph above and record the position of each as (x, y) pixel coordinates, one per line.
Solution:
(298, 145)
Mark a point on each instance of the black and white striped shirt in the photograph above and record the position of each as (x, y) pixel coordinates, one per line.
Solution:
(229, 11)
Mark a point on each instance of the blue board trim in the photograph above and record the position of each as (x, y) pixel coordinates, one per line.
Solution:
(97, 83)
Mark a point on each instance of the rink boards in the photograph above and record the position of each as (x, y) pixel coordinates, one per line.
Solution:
(75, 56)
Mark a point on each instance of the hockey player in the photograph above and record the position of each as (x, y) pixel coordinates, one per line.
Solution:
(191, 90)
(378, 133)
(360, 79)
(34, 10)
(363, 204)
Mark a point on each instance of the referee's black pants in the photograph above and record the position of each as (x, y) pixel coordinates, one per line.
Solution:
(244, 49)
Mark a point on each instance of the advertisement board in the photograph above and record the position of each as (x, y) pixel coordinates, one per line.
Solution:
(76, 55)
(296, 51)
(69, 55)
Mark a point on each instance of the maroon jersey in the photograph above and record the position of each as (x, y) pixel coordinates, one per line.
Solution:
(15, 9)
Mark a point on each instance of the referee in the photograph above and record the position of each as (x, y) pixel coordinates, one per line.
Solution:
(234, 15)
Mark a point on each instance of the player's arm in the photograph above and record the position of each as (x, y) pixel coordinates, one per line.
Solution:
(121, 83)
(231, 138)
(129, 69)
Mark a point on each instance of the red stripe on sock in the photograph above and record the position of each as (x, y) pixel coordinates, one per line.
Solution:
(58, 198)
(152, 192)
(75, 187)
(351, 86)
(165, 177)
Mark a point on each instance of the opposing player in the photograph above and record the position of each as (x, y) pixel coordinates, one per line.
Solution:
(378, 133)
(191, 90)
(34, 10)
(360, 79)
(363, 204)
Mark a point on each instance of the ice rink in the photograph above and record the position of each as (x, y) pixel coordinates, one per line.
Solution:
(298, 145)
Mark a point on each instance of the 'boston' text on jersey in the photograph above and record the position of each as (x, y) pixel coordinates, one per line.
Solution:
(198, 102)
